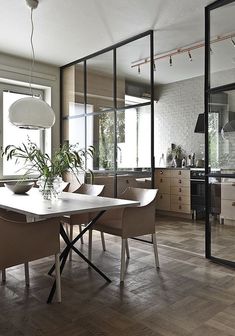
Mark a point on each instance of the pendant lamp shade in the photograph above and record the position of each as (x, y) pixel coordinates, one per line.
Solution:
(31, 113)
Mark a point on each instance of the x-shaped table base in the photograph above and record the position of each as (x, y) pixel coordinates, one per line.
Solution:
(69, 246)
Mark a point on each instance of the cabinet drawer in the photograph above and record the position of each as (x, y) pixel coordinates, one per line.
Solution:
(183, 191)
(163, 202)
(228, 209)
(179, 207)
(178, 182)
(163, 184)
(180, 173)
(180, 199)
(162, 173)
(228, 191)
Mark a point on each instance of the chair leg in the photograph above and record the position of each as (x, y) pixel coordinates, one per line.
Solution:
(57, 275)
(67, 228)
(155, 249)
(26, 272)
(103, 241)
(127, 250)
(90, 245)
(80, 230)
(71, 238)
(122, 260)
(3, 275)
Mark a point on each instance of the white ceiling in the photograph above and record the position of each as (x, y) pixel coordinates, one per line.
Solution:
(66, 30)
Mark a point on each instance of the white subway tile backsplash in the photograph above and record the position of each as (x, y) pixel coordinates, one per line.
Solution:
(176, 114)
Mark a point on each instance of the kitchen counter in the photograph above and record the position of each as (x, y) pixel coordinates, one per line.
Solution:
(174, 168)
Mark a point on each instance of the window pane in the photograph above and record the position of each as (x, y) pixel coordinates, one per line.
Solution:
(74, 131)
(133, 138)
(222, 51)
(73, 90)
(221, 130)
(100, 134)
(222, 211)
(13, 135)
(132, 79)
(100, 82)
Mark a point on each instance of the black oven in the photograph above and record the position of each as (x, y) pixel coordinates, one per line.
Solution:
(197, 183)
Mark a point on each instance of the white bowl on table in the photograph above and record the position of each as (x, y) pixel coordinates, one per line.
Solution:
(19, 187)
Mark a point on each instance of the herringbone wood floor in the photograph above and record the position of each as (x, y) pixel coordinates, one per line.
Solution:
(188, 296)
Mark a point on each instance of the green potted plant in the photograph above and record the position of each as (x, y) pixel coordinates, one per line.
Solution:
(175, 154)
(50, 169)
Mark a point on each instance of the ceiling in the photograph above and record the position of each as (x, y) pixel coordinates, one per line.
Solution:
(68, 30)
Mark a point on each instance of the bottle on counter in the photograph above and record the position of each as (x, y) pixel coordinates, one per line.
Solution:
(189, 160)
(162, 162)
(193, 159)
(183, 164)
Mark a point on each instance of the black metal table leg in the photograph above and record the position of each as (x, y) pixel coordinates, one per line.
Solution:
(70, 245)
(91, 264)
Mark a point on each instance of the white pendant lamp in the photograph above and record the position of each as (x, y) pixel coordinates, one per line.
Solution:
(30, 112)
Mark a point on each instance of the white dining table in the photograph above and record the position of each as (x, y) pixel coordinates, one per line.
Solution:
(35, 208)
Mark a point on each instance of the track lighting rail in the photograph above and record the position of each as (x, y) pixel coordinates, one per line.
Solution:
(185, 49)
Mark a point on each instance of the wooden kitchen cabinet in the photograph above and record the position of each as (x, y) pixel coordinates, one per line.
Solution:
(227, 201)
(174, 191)
(163, 201)
(163, 184)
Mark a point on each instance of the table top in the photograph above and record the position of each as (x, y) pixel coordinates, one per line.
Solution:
(33, 204)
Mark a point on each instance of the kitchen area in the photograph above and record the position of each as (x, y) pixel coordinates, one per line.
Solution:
(147, 129)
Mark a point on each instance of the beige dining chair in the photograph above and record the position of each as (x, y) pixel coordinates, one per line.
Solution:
(130, 222)
(22, 242)
(84, 218)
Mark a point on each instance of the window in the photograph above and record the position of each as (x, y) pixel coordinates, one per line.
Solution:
(133, 135)
(13, 135)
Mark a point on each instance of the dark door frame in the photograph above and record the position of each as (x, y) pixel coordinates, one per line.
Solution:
(208, 91)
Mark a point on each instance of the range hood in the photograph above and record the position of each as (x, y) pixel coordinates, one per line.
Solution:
(200, 128)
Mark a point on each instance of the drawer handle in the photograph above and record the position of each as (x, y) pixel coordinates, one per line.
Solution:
(233, 204)
(180, 181)
(161, 180)
(127, 181)
(180, 207)
(161, 172)
(180, 190)
(233, 184)
(179, 198)
(161, 197)
(179, 172)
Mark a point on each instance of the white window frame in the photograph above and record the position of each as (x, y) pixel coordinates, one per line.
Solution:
(21, 89)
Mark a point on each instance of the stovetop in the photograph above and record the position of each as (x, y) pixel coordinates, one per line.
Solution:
(197, 173)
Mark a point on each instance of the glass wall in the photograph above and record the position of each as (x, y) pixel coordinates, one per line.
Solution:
(222, 41)
(107, 104)
(220, 132)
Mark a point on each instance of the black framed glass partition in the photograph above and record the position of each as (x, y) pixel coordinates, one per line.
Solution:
(220, 131)
(107, 102)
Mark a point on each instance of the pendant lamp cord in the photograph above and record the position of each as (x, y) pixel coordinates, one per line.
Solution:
(33, 53)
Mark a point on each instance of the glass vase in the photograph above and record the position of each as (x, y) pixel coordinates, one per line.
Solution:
(50, 188)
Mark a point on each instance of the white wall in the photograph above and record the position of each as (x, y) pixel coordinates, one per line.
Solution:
(176, 114)
(18, 69)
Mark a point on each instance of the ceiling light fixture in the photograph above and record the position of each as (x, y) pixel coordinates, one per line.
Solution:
(233, 42)
(184, 49)
(190, 56)
(31, 112)
(170, 60)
